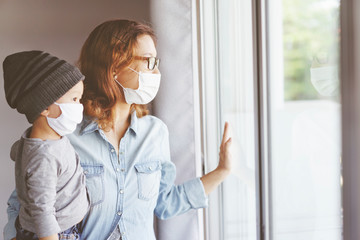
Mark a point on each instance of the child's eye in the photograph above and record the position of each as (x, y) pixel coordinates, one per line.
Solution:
(75, 99)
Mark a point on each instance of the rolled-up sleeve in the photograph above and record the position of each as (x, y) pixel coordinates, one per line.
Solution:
(174, 199)
(195, 193)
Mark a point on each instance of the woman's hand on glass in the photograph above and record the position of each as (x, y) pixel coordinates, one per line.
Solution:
(214, 178)
(225, 155)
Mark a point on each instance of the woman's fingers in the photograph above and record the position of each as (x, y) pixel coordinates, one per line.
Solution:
(225, 160)
(228, 142)
(225, 134)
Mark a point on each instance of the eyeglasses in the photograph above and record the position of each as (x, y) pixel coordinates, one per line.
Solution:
(152, 61)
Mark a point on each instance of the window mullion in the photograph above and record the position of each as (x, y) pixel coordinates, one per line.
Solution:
(262, 134)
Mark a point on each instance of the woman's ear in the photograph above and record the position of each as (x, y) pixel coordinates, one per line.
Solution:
(45, 113)
(114, 76)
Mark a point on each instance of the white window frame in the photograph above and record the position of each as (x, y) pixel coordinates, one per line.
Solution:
(350, 76)
(350, 89)
(211, 119)
(210, 99)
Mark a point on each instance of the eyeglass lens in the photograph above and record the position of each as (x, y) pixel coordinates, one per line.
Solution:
(152, 62)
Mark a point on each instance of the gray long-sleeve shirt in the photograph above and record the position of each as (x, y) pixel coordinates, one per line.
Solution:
(50, 184)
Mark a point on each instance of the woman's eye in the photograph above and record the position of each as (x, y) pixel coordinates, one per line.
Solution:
(75, 99)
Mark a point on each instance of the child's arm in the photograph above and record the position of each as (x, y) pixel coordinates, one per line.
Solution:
(40, 182)
(217, 176)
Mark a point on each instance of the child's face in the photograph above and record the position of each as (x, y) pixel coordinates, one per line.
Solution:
(72, 96)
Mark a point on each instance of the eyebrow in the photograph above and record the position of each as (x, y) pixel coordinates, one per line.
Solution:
(152, 55)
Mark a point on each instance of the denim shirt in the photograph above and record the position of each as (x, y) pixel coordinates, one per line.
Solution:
(127, 189)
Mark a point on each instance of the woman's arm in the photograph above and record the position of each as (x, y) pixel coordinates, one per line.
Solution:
(12, 212)
(177, 199)
(174, 199)
(217, 176)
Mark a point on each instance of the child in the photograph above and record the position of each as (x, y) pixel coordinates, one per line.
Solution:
(49, 179)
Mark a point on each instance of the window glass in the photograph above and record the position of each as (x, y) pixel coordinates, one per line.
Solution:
(235, 59)
(305, 118)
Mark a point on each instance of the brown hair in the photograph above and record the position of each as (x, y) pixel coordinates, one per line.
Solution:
(109, 47)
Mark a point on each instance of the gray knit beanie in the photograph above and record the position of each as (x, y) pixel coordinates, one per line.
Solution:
(34, 80)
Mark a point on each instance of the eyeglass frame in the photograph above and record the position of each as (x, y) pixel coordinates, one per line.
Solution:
(156, 61)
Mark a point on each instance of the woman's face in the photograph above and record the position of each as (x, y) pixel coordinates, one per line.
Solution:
(145, 48)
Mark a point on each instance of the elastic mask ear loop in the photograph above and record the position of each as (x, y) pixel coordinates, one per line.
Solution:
(134, 70)
(138, 79)
(115, 78)
(124, 88)
(57, 104)
(118, 83)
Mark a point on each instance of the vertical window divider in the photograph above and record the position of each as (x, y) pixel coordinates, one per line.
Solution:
(209, 74)
(219, 111)
(350, 88)
(262, 120)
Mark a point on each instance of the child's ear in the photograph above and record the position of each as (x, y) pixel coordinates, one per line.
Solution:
(45, 113)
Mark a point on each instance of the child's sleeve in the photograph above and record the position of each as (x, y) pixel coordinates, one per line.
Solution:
(41, 181)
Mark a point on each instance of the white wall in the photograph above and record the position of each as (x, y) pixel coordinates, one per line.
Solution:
(60, 28)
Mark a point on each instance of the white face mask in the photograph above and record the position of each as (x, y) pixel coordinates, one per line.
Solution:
(325, 80)
(71, 115)
(149, 84)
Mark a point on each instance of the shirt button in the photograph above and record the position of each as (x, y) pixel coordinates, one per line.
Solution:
(123, 233)
(150, 168)
(119, 213)
(121, 191)
(112, 150)
(118, 169)
(123, 170)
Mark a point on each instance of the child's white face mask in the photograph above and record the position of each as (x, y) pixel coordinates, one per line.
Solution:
(149, 84)
(71, 115)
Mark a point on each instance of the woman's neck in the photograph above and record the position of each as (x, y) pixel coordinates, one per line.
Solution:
(121, 115)
(121, 121)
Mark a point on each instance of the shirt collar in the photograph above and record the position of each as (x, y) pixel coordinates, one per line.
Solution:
(134, 122)
(88, 125)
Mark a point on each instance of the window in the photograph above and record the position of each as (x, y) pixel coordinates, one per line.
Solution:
(270, 68)
(228, 75)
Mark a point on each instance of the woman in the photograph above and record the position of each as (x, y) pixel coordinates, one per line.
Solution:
(125, 152)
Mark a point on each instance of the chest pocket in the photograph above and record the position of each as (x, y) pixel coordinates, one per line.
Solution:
(94, 183)
(148, 175)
